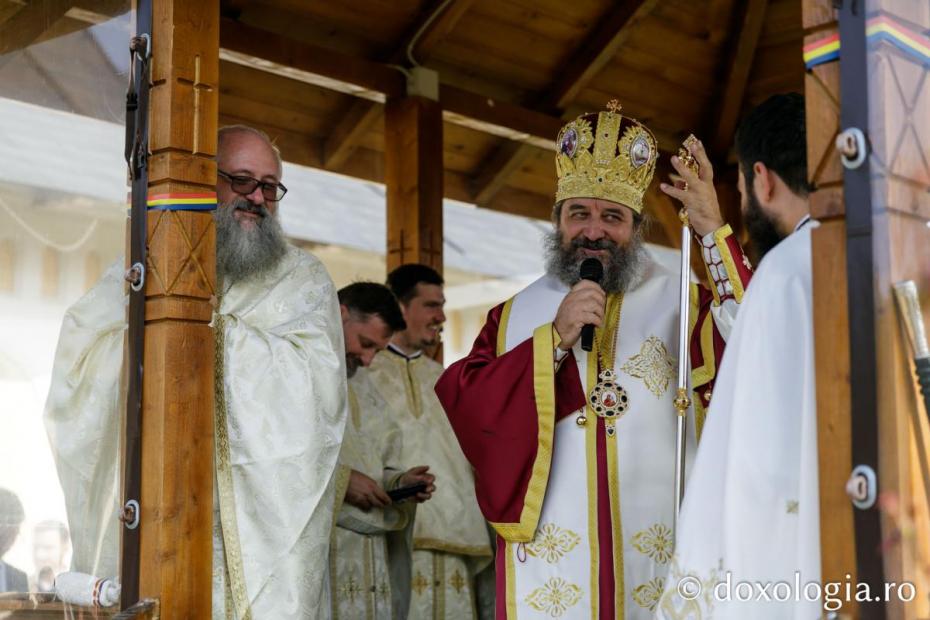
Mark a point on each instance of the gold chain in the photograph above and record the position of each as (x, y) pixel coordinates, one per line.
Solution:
(606, 341)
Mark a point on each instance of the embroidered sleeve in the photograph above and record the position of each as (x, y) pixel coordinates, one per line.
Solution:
(728, 267)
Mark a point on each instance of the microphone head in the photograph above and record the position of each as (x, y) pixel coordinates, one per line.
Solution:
(591, 269)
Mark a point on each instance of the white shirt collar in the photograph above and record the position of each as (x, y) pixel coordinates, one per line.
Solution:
(397, 351)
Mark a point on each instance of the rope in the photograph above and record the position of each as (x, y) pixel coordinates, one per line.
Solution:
(35, 234)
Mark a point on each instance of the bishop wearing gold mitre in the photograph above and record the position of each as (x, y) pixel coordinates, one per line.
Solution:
(574, 450)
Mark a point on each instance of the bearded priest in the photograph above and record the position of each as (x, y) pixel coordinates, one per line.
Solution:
(574, 450)
(280, 403)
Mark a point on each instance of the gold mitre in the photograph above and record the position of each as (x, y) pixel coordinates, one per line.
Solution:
(605, 155)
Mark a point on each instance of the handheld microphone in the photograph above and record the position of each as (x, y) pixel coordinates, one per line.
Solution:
(591, 269)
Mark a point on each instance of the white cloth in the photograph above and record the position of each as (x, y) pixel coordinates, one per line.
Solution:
(371, 551)
(86, 590)
(285, 410)
(557, 573)
(450, 537)
(751, 508)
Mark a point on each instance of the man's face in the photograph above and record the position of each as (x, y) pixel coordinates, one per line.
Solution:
(249, 238)
(596, 224)
(595, 228)
(47, 549)
(424, 315)
(246, 154)
(365, 335)
(759, 224)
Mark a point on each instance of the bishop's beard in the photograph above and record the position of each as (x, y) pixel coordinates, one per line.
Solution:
(241, 253)
(622, 265)
(761, 227)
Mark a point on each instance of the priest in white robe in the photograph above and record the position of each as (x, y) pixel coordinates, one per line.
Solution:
(574, 451)
(450, 537)
(372, 543)
(279, 416)
(750, 518)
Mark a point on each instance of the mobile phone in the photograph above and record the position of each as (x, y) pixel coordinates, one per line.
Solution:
(404, 492)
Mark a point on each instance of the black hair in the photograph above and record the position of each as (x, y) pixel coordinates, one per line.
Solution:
(774, 133)
(403, 280)
(370, 298)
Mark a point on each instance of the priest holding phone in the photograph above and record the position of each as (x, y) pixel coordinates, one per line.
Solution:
(574, 446)
(371, 546)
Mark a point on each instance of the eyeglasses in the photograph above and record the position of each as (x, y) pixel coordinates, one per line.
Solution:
(273, 192)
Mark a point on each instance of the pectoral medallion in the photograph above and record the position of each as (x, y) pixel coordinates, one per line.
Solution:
(609, 399)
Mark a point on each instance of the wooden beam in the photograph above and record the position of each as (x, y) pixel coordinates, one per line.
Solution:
(342, 140)
(424, 37)
(587, 61)
(28, 24)
(325, 68)
(353, 73)
(438, 29)
(176, 535)
(743, 51)
(596, 51)
(414, 179)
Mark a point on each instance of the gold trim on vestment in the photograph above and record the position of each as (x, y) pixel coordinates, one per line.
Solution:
(433, 544)
(502, 327)
(720, 238)
(226, 490)
(544, 390)
(511, 583)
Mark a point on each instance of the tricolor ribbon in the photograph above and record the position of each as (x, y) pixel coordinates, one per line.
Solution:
(182, 202)
(881, 28)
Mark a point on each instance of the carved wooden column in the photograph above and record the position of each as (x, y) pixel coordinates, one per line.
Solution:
(831, 318)
(897, 93)
(177, 429)
(413, 173)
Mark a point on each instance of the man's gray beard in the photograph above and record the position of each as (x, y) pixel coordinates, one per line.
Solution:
(242, 254)
(621, 269)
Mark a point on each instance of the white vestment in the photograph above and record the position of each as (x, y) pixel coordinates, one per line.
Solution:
(279, 428)
(556, 574)
(751, 508)
(450, 538)
(370, 555)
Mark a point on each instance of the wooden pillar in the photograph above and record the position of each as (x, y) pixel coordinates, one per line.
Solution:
(898, 112)
(413, 174)
(831, 317)
(899, 123)
(177, 428)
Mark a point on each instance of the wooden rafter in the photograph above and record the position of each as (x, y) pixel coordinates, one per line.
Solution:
(365, 79)
(420, 43)
(742, 51)
(28, 24)
(587, 61)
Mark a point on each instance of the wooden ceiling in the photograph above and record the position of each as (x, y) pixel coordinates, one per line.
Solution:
(510, 71)
(314, 74)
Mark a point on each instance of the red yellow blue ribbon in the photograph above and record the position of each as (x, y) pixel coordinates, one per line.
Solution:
(205, 201)
(880, 28)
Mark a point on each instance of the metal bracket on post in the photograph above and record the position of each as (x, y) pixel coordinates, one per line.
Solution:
(853, 148)
(130, 515)
(862, 487)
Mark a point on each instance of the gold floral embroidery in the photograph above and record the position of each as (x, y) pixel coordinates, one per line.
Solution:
(419, 584)
(653, 365)
(457, 581)
(350, 589)
(552, 543)
(647, 595)
(792, 507)
(555, 597)
(689, 597)
(656, 542)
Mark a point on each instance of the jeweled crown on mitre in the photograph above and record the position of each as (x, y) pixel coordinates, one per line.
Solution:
(605, 155)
